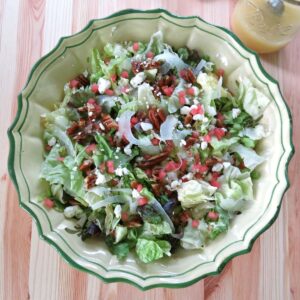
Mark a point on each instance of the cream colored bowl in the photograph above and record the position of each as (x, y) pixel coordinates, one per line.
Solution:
(45, 87)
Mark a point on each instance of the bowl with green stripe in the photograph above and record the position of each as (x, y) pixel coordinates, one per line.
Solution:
(45, 87)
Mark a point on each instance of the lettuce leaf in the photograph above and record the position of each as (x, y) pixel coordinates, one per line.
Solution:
(193, 193)
(150, 250)
(150, 229)
(156, 44)
(250, 157)
(194, 238)
(54, 171)
(254, 101)
(221, 225)
(234, 195)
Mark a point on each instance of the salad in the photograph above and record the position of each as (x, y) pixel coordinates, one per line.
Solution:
(149, 151)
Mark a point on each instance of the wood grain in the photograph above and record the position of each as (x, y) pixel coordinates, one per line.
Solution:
(31, 269)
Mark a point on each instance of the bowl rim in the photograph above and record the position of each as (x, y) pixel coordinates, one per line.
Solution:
(65, 256)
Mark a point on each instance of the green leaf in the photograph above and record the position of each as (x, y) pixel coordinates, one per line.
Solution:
(221, 225)
(150, 229)
(121, 250)
(149, 250)
(101, 141)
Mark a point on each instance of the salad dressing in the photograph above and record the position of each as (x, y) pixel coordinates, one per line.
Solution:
(264, 29)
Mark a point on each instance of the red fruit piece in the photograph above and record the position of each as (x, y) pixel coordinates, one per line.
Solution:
(124, 74)
(109, 92)
(215, 183)
(213, 216)
(195, 223)
(94, 88)
(135, 46)
(110, 166)
(74, 84)
(142, 201)
(48, 203)
(190, 91)
(150, 55)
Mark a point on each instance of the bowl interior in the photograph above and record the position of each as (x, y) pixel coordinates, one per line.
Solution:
(45, 88)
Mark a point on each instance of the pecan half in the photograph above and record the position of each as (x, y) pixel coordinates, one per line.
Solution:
(153, 117)
(109, 122)
(84, 81)
(188, 75)
(154, 160)
(90, 180)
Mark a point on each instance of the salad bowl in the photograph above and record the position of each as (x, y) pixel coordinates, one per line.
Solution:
(45, 87)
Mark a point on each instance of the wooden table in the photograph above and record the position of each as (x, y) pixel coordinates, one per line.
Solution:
(31, 269)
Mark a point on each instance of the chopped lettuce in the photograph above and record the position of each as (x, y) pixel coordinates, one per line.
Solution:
(151, 250)
(192, 193)
(234, 195)
(120, 233)
(194, 238)
(254, 101)
(249, 156)
(221, 225)
(150, 229)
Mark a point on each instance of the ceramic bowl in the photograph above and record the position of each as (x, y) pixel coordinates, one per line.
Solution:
(69, 58)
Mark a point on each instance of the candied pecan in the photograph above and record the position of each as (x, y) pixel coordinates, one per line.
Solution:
(188, 119)
(153, 117)
(90, 180)
(153, 160)
(161, 115)
(188, 75)
(80, 136)
(156, 91)
(133, 224)
(109, 122)
(156, 189)
(169, 146)
(82, 123)
(73, 128)
(137, 67)
(84, 81)
(85, 165)
(191, 141)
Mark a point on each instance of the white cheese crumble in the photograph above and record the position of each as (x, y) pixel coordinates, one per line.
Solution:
(188, 176)
(203, 145)
(103, 84)
(135, 194)
(125, 171)
(175, 184)
(182, 143)
(138, 79)
(235, 112)
(100, 178)
(185, 110)
(198, 117)
(127, 149)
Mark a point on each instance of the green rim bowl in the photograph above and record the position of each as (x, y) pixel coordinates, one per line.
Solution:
(44, 87)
